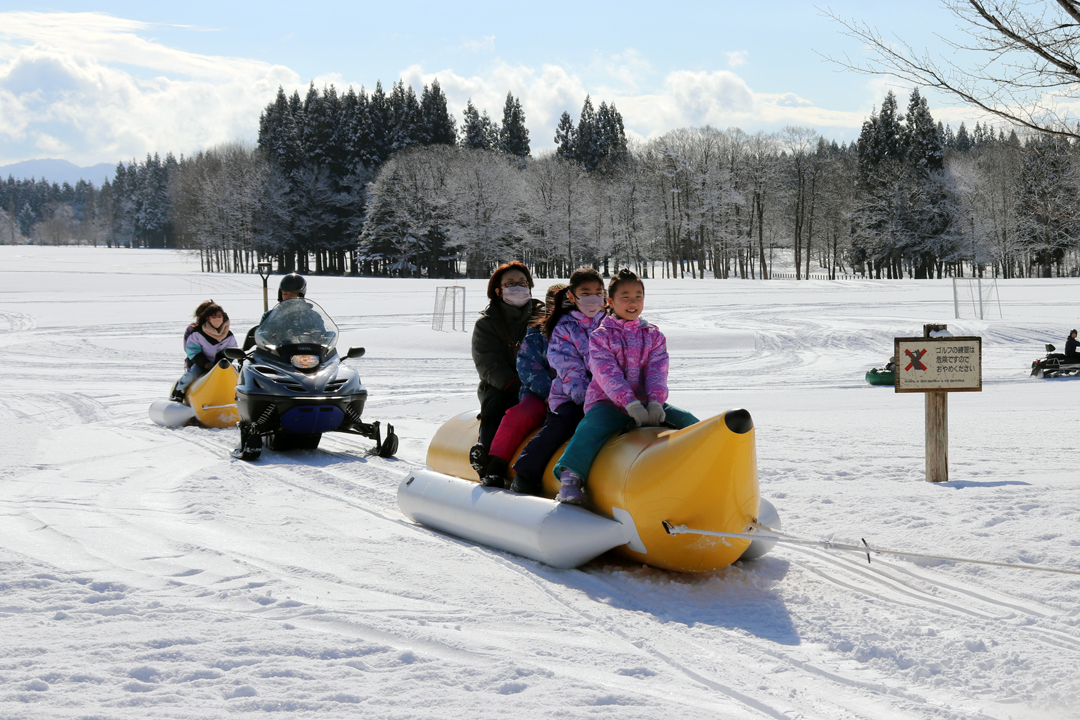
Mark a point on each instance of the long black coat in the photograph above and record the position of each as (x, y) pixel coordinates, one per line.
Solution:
(495, 342)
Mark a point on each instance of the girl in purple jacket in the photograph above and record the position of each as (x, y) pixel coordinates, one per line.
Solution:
(576, 314)
(629, 362)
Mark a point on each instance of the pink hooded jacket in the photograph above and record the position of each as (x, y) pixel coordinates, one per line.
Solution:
(568, 355)
(629, 362)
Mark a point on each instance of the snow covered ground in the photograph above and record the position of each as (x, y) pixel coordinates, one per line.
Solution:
(145, 573)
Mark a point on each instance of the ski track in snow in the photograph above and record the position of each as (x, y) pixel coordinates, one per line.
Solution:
(144, 572)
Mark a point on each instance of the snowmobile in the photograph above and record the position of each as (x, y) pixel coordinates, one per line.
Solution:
(294, 387)
(1054, 365)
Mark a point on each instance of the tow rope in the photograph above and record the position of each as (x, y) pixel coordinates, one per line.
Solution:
(864, 549)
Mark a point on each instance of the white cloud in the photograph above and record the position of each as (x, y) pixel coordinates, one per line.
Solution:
(91, 88)
(737, 58)
(720, 98)
(61, 93)
(477, 45)
(792, 100)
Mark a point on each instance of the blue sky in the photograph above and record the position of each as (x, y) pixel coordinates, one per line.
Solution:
(116, 80)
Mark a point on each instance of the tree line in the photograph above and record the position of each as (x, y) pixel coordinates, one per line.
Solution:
(390, 184)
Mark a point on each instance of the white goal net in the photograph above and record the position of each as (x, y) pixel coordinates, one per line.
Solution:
(449, 312)
(975, 297)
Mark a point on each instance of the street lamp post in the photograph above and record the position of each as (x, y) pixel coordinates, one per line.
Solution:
(264, 273)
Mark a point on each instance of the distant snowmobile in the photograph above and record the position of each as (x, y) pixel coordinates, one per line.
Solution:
(293, 386)
(1054, 365)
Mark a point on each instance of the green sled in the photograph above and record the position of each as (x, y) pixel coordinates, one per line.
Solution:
(877, 376)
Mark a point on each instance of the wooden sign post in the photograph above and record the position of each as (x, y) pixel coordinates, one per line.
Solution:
(937, 366)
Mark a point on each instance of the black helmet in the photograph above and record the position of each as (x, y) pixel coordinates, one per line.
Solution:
(292, 283)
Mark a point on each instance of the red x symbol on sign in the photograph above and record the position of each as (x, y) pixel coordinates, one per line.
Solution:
(916, 359)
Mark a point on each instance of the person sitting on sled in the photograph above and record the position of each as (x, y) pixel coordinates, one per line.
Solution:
(205, 341)
(577, 314)
(1071, 354)
(291, 286)
(496, 339)
(629, 362)
(536, 375)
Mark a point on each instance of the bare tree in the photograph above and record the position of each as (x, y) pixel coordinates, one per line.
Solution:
(761, 167)
(215, 196)
(801, 191)
(487, 193)
(557, 188)
(408, 213)
(987, 181)
(1022, 60)
(9, 230)
(59, 227)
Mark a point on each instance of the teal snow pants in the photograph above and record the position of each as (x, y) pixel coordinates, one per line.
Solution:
(601, 422)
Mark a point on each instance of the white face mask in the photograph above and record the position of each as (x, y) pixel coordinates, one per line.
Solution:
(516, 296)
(589, 305)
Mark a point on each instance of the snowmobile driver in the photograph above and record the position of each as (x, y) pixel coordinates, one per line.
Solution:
(1071, 343)
(291, 286)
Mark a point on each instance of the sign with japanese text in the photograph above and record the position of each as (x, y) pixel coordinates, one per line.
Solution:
(949, 364)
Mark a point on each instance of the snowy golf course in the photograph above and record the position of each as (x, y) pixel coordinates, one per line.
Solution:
(144, 573)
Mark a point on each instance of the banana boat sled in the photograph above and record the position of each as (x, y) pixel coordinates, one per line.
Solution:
(210, 399)
(642, 482)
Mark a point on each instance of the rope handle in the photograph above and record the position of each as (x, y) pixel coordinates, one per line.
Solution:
(864, 549)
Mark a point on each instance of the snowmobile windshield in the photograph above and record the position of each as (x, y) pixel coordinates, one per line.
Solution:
(298, 321)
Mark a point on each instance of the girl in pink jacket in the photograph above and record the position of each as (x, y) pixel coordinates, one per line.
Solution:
(629, 362)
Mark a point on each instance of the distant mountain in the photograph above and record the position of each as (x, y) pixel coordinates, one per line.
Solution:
(58, 171)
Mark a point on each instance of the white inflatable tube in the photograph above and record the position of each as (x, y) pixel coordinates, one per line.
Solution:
(557, 534)
(770, 518)
(171, 413)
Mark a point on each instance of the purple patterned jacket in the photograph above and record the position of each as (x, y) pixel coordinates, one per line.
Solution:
(568, 355)
(629, 362)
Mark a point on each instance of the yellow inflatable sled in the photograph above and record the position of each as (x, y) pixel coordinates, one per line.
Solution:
(213, 396)
(211, 400)
(703, 476)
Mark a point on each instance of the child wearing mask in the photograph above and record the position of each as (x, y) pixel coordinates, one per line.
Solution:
(535, 374)
(577, 313)
(629, 362)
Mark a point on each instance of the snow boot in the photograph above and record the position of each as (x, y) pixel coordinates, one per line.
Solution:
(525, 487)
(570, 491)
(495, 475)
(176, 395)
(478, 458)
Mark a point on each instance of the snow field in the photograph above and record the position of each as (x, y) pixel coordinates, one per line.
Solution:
(143, 572)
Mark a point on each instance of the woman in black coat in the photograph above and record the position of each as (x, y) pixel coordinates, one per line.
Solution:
(496, 338)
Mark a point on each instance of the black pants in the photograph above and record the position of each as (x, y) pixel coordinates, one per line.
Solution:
(492, 409)
(557, 429)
